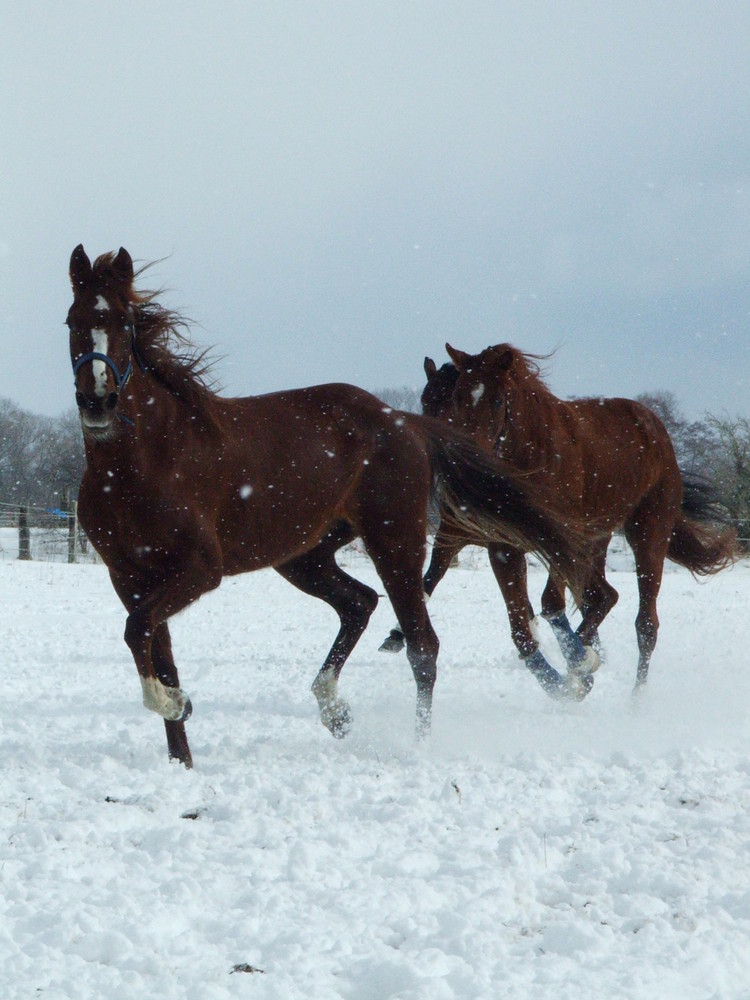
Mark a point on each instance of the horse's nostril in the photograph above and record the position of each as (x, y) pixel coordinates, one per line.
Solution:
(80, 401)
(112, 401)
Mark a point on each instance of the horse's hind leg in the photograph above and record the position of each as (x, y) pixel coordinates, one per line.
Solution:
(399, 565)
(317, 573)
(509, 566)
(649, 538)
(443, 554)
(599, 598)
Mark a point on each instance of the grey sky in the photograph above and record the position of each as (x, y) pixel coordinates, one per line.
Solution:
(340, 188)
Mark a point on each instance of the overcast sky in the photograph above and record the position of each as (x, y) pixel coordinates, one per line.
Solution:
(339, 188)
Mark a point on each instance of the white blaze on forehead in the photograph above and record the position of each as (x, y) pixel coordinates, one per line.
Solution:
(101, 303)
(477, 392)
(101, 344)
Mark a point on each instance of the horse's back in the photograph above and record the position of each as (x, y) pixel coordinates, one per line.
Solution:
(617, 427)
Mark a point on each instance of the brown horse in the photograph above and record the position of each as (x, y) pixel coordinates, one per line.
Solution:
(183, 487)
(610, 462)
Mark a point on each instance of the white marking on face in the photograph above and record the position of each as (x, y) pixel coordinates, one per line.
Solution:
(477, 392)
(101, 303)
(101, 345)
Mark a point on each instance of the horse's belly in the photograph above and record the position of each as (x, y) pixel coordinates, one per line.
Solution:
(256, 543)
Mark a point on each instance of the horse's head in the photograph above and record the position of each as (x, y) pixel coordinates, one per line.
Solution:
(481, 392)
(437, 395)
(100, 321)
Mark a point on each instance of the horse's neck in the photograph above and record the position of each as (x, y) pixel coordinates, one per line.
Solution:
(530, 417)
(151, 434)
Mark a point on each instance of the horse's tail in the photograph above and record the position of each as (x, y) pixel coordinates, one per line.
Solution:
(703, 539)
(483, 499)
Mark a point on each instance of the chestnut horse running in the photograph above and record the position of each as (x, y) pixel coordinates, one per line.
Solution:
(610, 462)
(183, 487)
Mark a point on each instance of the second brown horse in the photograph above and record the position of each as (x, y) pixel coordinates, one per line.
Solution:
(610, 463)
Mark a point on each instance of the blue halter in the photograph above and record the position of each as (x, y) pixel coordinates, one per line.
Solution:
(121, 380)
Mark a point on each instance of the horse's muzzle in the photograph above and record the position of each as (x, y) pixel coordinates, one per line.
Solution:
(96, 405)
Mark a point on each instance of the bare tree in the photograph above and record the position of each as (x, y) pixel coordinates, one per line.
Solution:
(694, 441)
(402, 398)
(730, 469)
(40, 457)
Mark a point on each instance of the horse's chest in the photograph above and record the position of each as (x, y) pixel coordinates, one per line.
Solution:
(124, 523)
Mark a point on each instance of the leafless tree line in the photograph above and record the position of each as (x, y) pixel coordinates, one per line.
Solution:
(41, 458)
(715, 449)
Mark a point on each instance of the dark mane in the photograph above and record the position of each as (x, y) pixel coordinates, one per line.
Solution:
(162, 345)
(527, 367)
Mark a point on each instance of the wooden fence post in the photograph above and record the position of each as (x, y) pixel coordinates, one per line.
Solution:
(71, 508)
(24, 536)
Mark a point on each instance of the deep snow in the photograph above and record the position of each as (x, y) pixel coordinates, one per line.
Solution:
(530, 849)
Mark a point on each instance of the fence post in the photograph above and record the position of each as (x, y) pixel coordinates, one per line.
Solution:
(71, 506)
(24, 537)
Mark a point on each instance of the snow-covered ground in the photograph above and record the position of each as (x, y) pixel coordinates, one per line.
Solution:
(530, 849)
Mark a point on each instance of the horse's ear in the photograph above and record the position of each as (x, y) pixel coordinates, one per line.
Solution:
(505, 360)
(80, 269)
(459, 358)
(430, 368)
(122, 265)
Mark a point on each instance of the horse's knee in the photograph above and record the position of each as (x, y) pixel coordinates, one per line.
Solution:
(358, 613)
(136, 630)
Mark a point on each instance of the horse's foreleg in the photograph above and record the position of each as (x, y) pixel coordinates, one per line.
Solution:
(399, 564)
(166, 671)
(443, 554)
(149, 605)
(577, 647)
(509, 566)
(160, 694)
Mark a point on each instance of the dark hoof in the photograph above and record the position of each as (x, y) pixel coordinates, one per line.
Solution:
(394, 643)
(186, 759)
(186, 712)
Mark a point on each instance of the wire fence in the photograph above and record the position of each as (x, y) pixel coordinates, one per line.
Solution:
(46, 534)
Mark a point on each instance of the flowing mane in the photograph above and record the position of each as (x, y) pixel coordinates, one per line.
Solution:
(161, 341)
(526, 369)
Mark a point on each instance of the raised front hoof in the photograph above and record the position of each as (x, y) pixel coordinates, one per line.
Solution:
(187, 711)
(588, 664)
(394, 643)
(337, 719)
